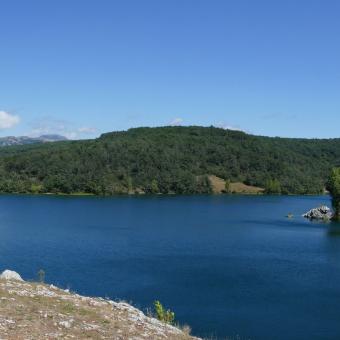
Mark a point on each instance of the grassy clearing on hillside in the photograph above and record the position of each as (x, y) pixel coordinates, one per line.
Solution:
(219, 186)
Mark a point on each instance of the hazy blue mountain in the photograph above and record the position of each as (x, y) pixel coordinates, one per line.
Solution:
(51, 138)
(23, 140)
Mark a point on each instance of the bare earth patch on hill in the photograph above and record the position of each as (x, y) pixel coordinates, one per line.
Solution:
(218, 185)
(39, 311)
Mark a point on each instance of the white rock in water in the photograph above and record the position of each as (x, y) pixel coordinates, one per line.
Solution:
(320, 213)
(10, 275)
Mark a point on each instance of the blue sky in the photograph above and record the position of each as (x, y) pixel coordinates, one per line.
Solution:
(81, 67)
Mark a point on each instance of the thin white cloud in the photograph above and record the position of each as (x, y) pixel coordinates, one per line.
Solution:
(48, 125)
(176, 122)
(8, 120)
(87, 129)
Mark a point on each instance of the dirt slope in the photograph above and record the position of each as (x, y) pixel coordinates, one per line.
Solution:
(39, 311)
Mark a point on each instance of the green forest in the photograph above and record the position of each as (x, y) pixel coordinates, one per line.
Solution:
(169, 160)
(334, 188)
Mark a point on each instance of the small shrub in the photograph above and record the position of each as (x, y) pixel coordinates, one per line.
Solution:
(227, 186)
(41, 276)
(162, 314)
(186, 329)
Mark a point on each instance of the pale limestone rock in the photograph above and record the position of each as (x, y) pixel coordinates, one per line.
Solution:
(10, 275)
(320, 213)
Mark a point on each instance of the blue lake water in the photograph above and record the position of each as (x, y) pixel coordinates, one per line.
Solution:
(227, 265)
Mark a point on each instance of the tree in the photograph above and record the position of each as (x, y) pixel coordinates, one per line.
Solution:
(334, 188)
(273, 186)
(162, 314)
(154, 187)
(227, 185)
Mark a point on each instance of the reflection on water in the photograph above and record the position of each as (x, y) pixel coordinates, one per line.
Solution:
(333, 228)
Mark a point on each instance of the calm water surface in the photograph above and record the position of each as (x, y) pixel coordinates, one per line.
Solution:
(227, 265)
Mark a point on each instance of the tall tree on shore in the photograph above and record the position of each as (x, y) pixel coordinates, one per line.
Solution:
(334, 188)
(273, 186)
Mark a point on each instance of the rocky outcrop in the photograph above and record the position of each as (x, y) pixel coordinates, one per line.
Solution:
(10, 275)
(320, 213)
(39, 311)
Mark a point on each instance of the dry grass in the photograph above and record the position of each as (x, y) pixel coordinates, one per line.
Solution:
(218, 185)
(37, 311)
(241, 188)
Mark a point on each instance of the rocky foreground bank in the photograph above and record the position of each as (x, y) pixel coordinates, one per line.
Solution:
(39, 311)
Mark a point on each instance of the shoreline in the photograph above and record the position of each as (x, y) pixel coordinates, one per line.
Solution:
(40, 311)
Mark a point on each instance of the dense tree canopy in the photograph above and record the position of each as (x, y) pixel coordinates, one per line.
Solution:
(169, 160)
(334, 187)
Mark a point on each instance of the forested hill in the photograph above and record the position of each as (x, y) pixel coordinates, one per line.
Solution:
(169, 160)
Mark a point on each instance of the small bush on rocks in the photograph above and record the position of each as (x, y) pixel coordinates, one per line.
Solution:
(162, 314)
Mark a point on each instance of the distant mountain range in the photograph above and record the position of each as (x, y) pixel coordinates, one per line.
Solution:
(23, 140)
